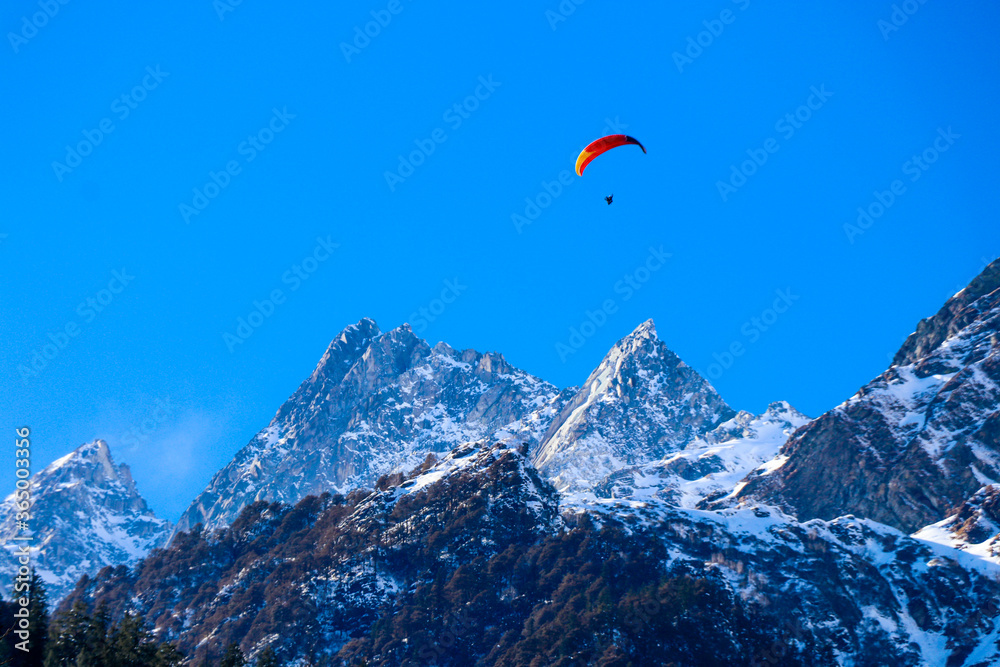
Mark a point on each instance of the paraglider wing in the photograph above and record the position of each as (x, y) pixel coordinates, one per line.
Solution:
(603, 145)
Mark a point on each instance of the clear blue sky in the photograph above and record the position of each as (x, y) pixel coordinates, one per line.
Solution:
(213, 83)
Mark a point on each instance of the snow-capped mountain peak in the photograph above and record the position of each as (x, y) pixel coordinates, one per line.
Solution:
(86, 513)
(639, 404)
(376, 404)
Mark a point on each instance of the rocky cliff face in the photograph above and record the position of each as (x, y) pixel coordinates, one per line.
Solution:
(641, 403)
(86, 514)
(376, 404)
(915, 442)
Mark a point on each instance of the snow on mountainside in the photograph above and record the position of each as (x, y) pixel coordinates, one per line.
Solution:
(918, 440)
(86, 514)
(711, 466)
(641, 403)
(857, 591)
(406, 573)
(974, 528)
(376, 404)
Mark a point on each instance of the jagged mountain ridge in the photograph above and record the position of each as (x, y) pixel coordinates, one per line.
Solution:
(426, 548)
(915, 442)
(86, 514)
(376, 404)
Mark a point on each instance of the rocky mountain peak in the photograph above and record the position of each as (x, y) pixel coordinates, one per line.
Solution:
(86, 514)
(639, 404)
(340, 356)
(94, 456)
(392, 400)
(782, 410)
(344, 349)
(388, 356)
(91, 464)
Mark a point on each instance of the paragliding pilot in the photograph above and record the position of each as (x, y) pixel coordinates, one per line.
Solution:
(603, 145)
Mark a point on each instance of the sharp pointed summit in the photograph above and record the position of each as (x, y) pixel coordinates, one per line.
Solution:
(641, 403)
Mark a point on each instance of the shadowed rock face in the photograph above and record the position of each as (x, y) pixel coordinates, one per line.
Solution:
(916, 441)
(641, 403)
(978, 519)
(86, 514)
(376, 404)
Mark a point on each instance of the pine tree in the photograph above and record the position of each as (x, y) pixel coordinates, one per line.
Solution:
(167, 655)
(67, 636)
(130, 645)
(233, 657)
(37, 628)
(7, 637)
(267, 658)
(38, 624)
(94, 651)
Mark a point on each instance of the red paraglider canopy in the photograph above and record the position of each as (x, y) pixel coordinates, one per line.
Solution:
(603, 145)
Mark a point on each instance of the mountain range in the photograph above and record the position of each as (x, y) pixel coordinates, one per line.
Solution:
(403, 487)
